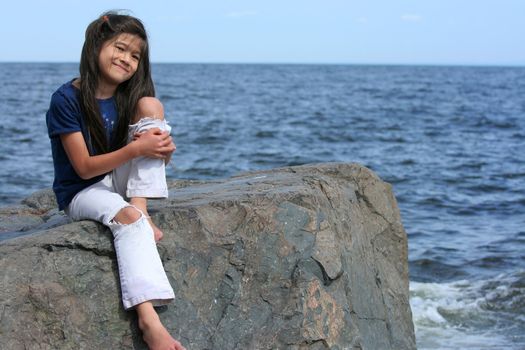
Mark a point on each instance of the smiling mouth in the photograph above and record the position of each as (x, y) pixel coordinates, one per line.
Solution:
(121, 67)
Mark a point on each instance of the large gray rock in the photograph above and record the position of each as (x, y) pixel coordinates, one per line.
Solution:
(309, 257)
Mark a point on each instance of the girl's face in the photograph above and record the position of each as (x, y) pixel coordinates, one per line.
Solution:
(119, 59)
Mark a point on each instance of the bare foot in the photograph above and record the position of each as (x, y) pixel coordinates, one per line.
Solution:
(142, 204)
(158, 234)
(157, 336)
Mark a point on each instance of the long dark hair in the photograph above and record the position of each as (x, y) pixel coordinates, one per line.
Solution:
(107, 27)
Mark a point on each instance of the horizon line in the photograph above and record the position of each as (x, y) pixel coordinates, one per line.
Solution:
(416, 64)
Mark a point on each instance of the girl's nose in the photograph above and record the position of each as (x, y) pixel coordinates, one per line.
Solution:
(125, 57)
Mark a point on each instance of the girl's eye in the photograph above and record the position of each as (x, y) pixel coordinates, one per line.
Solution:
(119, 48)
(135, 57)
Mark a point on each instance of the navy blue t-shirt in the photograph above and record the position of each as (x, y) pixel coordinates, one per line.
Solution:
(65, 116)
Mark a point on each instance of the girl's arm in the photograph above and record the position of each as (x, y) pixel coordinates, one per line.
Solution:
(154, 143)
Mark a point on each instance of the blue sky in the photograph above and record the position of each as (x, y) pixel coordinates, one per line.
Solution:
(477, 32)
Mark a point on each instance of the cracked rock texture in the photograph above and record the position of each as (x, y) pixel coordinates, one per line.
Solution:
(308, 257)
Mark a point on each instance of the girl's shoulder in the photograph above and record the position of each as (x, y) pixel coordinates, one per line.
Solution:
(69, 88)
(65, 100)
(66, 93)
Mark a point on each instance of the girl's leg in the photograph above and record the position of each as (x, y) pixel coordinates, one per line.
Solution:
(142, 276)
(147, 178)
(143, 280)
(153, 331)
(142, 204)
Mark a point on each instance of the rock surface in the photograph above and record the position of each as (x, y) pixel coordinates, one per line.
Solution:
(309, 257)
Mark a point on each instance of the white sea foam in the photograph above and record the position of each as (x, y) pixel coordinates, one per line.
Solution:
(466, 314)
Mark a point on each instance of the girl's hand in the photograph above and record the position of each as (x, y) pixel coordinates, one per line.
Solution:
(167, 156)
(154, 143)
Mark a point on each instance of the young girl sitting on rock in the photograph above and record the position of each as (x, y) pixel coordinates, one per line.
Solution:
(110, 143)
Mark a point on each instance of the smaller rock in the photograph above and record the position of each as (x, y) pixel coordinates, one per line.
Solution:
(42, 201)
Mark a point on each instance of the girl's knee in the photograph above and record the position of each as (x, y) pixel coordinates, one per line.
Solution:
(149, 107)
(128, 215)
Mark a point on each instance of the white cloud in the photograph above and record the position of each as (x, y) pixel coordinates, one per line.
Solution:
(362, 20)
(411, 17)
(238, 14)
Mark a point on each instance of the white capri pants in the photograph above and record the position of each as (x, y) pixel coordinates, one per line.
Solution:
(142, 276)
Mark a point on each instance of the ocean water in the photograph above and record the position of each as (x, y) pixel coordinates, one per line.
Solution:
(451, 140)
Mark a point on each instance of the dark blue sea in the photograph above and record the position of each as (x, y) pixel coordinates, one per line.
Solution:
(451, 141)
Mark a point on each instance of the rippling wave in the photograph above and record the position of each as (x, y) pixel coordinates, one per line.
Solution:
(484, 314)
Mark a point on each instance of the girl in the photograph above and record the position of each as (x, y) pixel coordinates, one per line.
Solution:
(109, 143)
